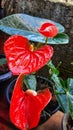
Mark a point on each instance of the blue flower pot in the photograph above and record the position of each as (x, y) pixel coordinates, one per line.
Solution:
(5, 76)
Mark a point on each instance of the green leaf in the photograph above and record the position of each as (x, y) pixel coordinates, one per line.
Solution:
(61, 38)
(70, 104)
(30, 82)
(70, 96)
(64, 93)
(3, 61)
(70, 85)
(63, 90)
(60, 92)
(27, 26)
(52, 68)
(72, 63)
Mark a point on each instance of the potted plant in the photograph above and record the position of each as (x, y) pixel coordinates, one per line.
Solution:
(24, 59)
(41, 83)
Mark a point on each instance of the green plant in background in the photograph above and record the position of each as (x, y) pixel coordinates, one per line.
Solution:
(72, 63)
(63, 89)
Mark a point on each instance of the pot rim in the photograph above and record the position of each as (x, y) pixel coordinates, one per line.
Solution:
(65, 120)
(7, 75)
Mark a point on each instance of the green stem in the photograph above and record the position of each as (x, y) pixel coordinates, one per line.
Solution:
(59, 64)
(46, 40)
(38, 45)
(59, 92)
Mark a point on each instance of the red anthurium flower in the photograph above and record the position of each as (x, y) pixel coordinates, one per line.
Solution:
(48, 30)
(21, 56)
(26, 106)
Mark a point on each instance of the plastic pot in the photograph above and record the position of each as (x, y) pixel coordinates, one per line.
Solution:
(53, 123)
(5, 76)
(67, 123)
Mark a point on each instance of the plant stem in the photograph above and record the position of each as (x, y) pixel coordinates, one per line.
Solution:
(59, 64)
(46, 40)
(38, 45)
(59, 92)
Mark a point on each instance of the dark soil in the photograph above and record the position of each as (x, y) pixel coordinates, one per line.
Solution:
(53, 105)
(3, 69)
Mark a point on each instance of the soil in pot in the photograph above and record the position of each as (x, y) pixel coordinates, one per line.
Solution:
(4, 71)
(53, 106)
(3, 38)
(3, 66)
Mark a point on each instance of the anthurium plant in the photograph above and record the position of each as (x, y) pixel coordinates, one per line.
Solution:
(63, 89)
(24, 60)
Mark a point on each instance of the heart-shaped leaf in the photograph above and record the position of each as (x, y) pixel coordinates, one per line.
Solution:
(27, 25)
(26, 107)
(23, 60)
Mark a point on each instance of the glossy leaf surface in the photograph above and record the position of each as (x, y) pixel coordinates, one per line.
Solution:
(64, 93)
(28, 26)
(30, 82)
